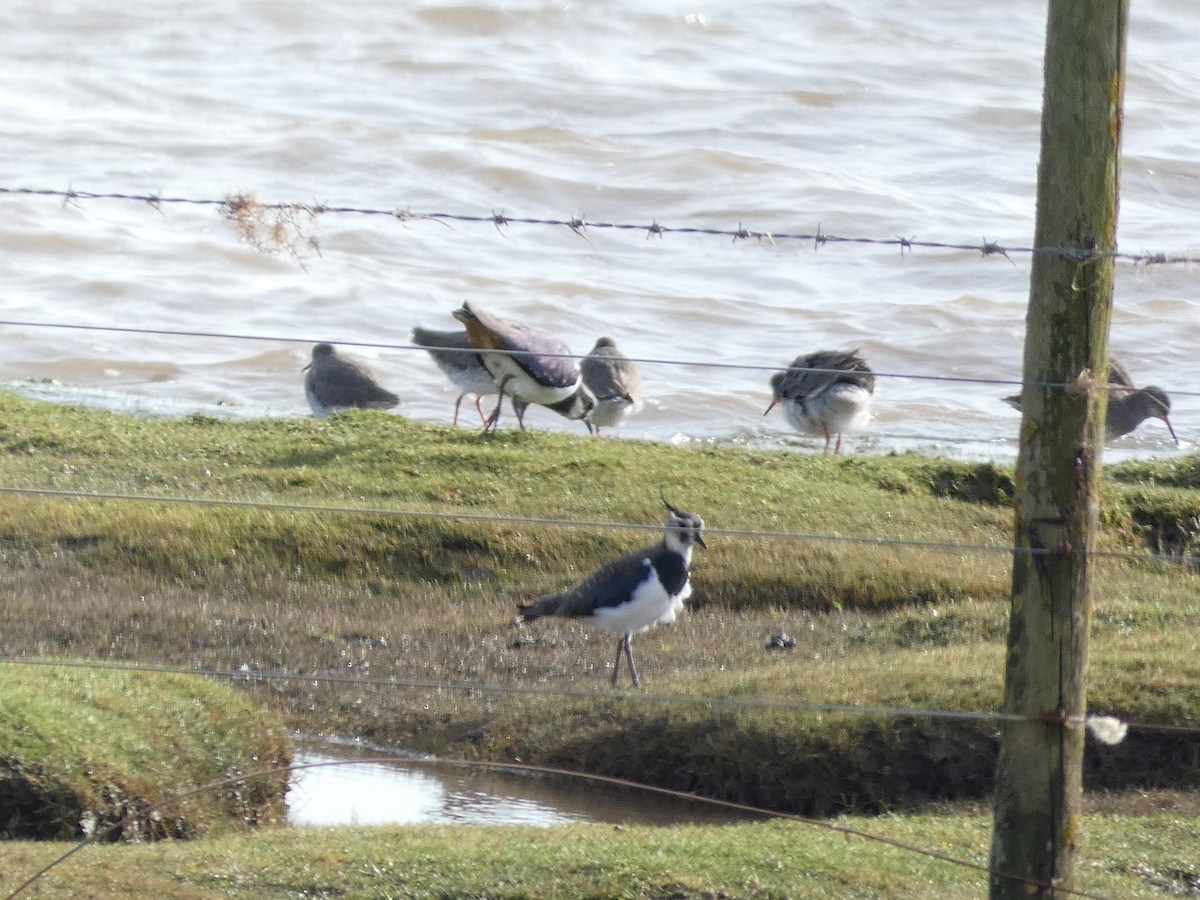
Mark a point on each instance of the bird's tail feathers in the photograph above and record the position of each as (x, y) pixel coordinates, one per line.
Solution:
(546, 606)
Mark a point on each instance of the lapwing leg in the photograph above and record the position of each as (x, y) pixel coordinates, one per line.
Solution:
(617, 662)
(479, 408)
(457, 404)
(494, 419)
(637, 682)
(519, 408)
(838, 448)
(828, 437)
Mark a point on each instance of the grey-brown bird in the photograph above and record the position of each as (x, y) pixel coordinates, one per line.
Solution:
(825, 394)
(634, 592)
(451, 352)
(333, 382)
(614, 381)
(528, 364)
(1128, 406)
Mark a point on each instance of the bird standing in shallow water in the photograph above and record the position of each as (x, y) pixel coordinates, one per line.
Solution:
(333, 382)
(634, 592)
(615, 382)
(528, 364)
(825, 394)
(1128, 406)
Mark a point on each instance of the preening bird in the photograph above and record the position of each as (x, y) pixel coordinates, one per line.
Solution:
(824, 394)
(634, 592)
(333, 382)
(528, 364)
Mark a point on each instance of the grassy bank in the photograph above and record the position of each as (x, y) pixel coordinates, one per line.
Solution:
(105, 747)
(430, 599)
(1151, 856)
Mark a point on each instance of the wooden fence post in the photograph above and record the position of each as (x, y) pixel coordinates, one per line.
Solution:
(1039, 775)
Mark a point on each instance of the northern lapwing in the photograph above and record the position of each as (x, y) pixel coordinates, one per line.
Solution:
(634, 592)
(451, 352)
(1128, 406)
(614, 381)
(333, 382)
(824, 394)
(528, 364)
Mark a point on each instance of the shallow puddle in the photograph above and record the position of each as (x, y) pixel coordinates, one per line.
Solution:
(412, 791)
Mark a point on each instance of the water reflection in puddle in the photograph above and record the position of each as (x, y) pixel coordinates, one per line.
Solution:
(407, 791)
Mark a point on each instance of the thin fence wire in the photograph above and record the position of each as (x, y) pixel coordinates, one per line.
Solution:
(506, 519)
(239, 206)
(236, 207)
(844, 830)
(658, 361)
(267, 676)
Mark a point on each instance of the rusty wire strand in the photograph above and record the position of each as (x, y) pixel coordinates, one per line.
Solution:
(234, 205)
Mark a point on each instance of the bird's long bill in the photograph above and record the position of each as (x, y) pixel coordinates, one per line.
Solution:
(1172, 430)
(700, 541)
(771, 407)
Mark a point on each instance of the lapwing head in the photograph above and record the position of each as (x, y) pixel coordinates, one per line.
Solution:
(584, 403)
(683, 528)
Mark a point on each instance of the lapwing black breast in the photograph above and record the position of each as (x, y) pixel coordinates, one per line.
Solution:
(634, 592)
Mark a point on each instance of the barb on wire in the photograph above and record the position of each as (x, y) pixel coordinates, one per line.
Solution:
(238, 204)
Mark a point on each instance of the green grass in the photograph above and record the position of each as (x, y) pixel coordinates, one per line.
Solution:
(1123, 857)
(385, 594)
(108, 746)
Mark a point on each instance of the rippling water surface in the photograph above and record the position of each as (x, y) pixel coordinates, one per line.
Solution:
(881, 120)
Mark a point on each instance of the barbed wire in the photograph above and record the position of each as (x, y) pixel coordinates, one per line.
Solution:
(689, 363)
(238, 206)
(845, 830)
(234, 206)
(507, 519)
(740, 702)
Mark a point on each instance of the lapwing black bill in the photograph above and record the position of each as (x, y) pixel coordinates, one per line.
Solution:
(633, 593)
(825, 394)
(333, 382)
(529, 364)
